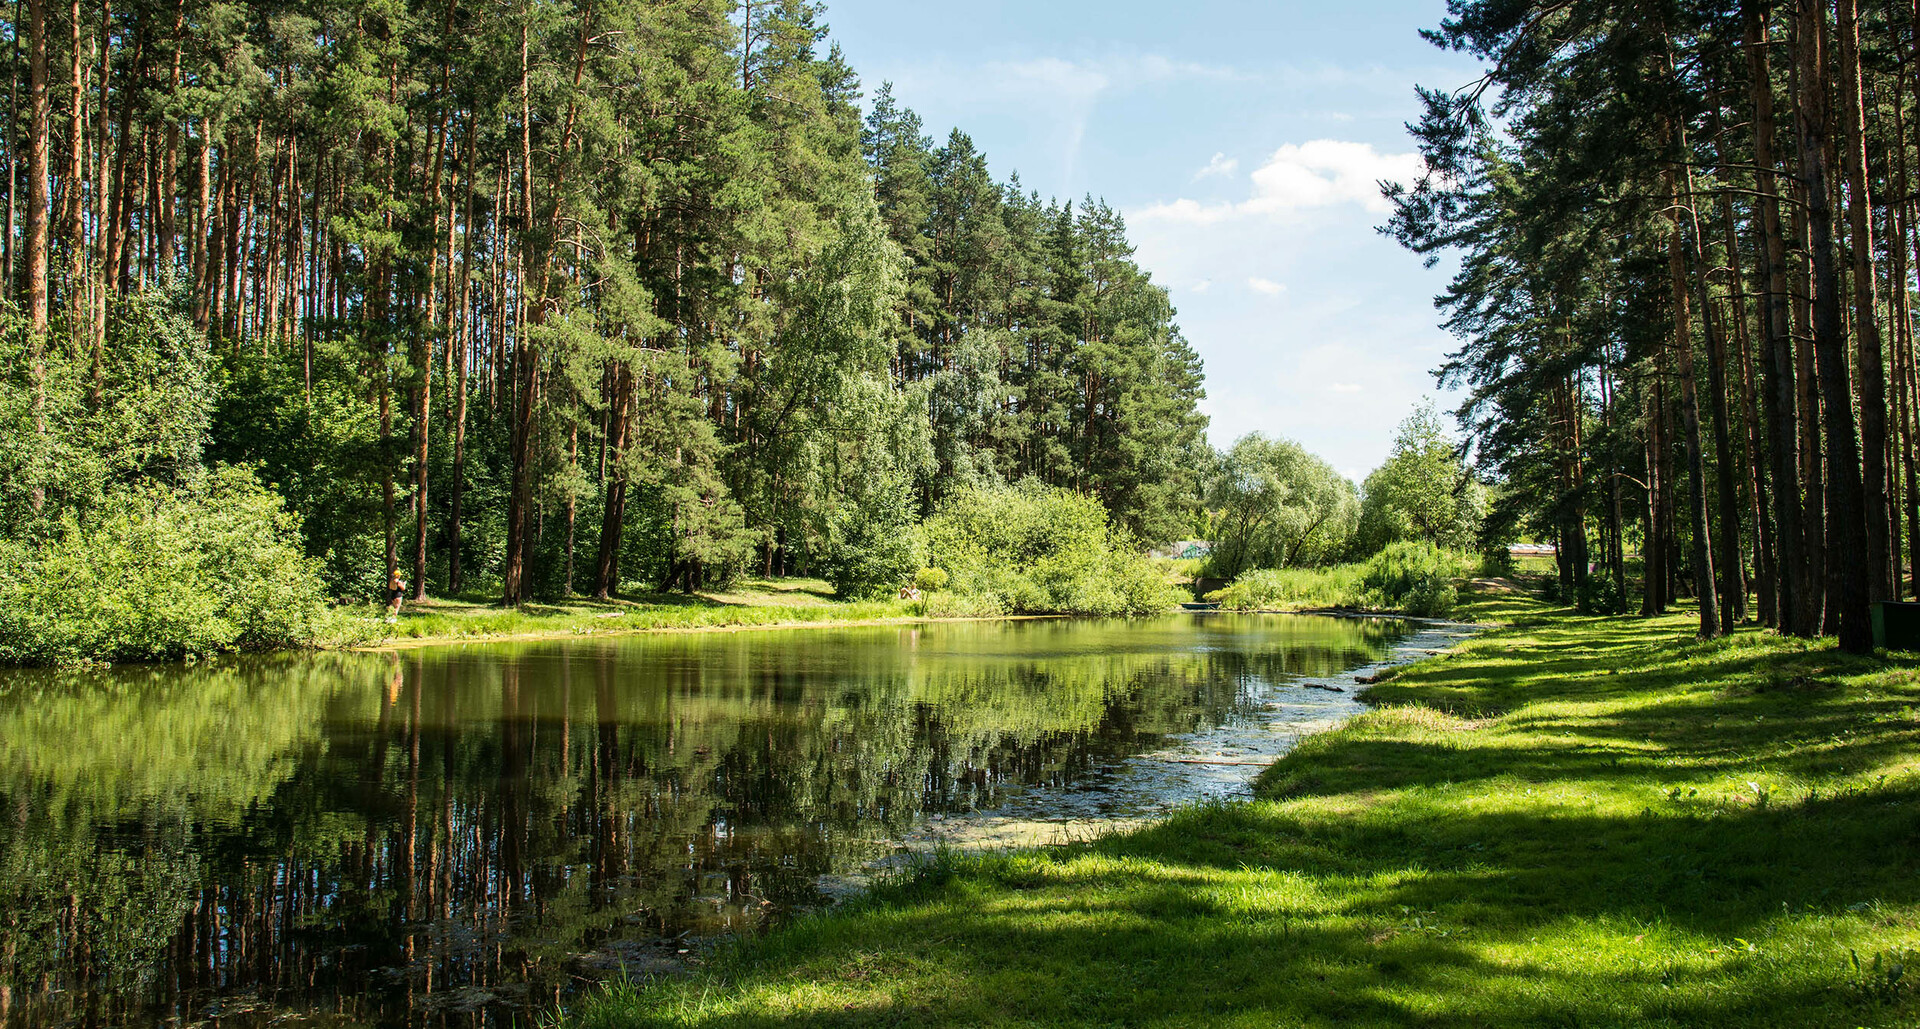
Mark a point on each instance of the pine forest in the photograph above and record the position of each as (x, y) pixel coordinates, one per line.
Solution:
(557, 298)
(1687, 240)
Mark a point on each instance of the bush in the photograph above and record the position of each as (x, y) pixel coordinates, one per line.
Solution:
(869, 558)
(1035, 549)
(1415, 577)
(155, 573)
(1267, 589)
(1497, 563)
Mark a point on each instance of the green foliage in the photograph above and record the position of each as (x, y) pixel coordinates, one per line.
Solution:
(722, 324)
(318, 445)
(1415, 577)
(71, 432)
(156, 572)
(1035, 549)
(1274, 505)
(872, 551)
(1411, 578)
(115, 544)
(1292, 589)
(1423, 492)
(931, 580)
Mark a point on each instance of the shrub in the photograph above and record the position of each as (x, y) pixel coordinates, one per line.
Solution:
(1266, 589)
(868, 557)
(155, 572)
(1415, 577)
(1035, 549)
(930, 580)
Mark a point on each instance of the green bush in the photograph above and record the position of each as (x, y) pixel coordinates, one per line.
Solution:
(931, 580)
(872, 550)
(1035, 549)
(155, 572)
(1268, 589)
(1415, 577)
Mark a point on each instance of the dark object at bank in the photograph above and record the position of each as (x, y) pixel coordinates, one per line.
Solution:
(1323, 686)
(1366, 680)
(1896, 626)
(1201, 605)
(1207, 584)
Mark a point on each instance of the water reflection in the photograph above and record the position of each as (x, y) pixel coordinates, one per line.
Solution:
(455, 836)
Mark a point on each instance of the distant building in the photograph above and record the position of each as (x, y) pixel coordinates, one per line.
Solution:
(1532, 550)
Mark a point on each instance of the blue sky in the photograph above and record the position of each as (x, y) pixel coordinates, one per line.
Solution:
(1242, 140)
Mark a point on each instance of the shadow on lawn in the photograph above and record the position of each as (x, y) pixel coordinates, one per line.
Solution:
(1155, 944)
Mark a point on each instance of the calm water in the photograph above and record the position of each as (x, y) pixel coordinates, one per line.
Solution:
(461, 835)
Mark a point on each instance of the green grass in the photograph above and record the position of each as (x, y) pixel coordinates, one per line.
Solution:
(1571, 821)
(756, 602)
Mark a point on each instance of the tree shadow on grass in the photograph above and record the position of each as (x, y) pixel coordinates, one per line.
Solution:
(1381, 937)
(1245, 914)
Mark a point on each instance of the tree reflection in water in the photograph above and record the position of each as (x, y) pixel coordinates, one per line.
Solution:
(454, 836)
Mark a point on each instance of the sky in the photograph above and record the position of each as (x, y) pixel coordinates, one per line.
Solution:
(1242, 140)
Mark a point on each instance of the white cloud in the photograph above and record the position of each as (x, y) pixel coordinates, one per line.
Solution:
(1315, 174)
(1267, 286)
(1329, 171)
(1345, 387)
(1221, 165)
(1203, 285)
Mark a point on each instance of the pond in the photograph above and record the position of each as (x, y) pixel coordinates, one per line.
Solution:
(462, 835)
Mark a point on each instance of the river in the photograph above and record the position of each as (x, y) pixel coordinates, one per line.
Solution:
(462, 835)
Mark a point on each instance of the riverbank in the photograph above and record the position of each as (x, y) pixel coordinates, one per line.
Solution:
(1568, 821)
(754, 604)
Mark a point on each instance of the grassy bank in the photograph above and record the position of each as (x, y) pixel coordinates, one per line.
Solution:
(1571, 821)
(756, 602)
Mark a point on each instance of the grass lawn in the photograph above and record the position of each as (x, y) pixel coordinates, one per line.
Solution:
(1568, 822)
(755, 602)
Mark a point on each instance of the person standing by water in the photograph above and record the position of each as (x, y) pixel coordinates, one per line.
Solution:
(396, 595)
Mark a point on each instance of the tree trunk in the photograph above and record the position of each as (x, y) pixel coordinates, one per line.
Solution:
(76, 177)
(1733, 588)
(1846, 517)
(1872, 374)
(606, 569)
(39, 131)
(1653, 557)
(1777, 330)
(1702, 554)
(526, 374)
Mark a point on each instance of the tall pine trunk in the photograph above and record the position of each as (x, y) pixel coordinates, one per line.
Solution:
(1872, 374)
(1846, 515)
(1705, 589)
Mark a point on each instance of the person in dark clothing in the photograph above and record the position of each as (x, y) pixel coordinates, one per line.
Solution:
(396, 595)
